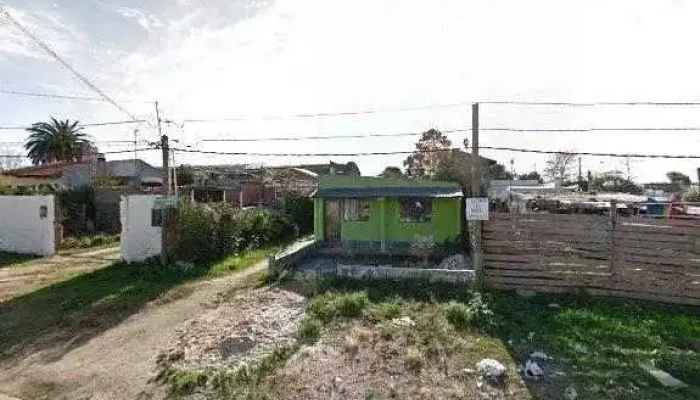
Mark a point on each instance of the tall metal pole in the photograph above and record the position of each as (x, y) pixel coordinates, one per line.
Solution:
(476, 192)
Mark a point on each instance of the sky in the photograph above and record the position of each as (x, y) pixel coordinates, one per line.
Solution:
(214, 59)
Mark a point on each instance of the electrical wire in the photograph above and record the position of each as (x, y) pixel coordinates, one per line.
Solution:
(593, 104)
(506, 129)
(496, 148)
(63, 96)
(65, 64)
(319, 137)
(137, 121)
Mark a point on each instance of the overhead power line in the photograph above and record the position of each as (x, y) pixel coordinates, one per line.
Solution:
(102, 152)
(137, 121)
(65, 64)
(325, 137)
(513, 149)
(595, 103)
(329, 114)
(670, 128)
(63, 96)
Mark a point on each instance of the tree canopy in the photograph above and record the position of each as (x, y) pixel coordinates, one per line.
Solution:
(56, 141)
(679, 181)
(559, 168)
(391, 173)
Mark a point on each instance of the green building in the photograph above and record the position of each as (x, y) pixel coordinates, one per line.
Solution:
(381, 215)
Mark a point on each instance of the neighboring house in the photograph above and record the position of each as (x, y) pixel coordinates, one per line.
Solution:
(235, 186)
(380, 215)
(65, 174)
(5, 180)
(135, 174)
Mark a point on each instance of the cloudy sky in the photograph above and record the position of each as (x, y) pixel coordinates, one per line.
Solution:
(213, 59)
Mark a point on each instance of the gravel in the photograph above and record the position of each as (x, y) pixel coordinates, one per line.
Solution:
(239, 330)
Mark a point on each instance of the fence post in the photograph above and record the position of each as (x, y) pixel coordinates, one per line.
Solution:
(613, 249)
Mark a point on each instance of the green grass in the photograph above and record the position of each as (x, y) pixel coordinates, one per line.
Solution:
(14, 259)
(76, 309)
(599, 342)
(237, 262)
(88, 241)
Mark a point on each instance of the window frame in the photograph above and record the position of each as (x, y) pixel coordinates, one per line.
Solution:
(427, 215)
(361, 216)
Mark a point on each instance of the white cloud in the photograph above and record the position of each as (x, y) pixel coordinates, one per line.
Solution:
(219, 59)
(146, 21)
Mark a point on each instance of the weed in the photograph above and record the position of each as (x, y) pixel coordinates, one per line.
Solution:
(385, 310)
(328, 306)
(184, 382)
(309, 330)
(476, 312)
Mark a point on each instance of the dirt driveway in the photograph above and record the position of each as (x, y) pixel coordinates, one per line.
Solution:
(27, 276)
(68, 359)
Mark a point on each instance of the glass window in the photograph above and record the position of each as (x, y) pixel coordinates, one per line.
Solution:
(356, 210)
(416, 209)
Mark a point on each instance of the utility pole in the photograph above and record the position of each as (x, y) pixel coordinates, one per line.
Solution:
(165, 148)
(136, 144)
(476, 192)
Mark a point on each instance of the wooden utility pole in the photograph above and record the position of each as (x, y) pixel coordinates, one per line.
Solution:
(165, 149)
(476, 192)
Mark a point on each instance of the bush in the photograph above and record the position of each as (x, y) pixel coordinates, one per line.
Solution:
(476, 312)
(328, 306)
(207, 232)
(300, 209)
(309, 330)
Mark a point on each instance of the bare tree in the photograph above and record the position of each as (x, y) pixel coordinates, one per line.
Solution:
(559, 167)
(10, 159)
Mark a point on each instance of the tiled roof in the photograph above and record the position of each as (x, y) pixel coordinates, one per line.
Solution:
(53, 170)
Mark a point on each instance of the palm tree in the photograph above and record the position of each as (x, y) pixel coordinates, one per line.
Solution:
(56, 141)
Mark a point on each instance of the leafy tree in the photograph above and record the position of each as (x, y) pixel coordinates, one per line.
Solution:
(614, 181)
(531, 176)
(679, 181)
(56, 141)
(391, 173)
(559, 168)
(185, 175)
(424, 161)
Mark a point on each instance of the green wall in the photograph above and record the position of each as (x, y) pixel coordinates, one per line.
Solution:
(445, 222)
(319, 219)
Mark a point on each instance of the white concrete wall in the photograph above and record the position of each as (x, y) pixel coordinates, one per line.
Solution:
(22, 229)
(139, 240)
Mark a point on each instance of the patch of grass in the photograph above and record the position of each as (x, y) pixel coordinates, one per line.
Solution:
(88, 241)
(476, 313)
(309, 330)
(598, 342)
(86, 304)
(329, 306)
(239, 261)
(15, 259)
(185, 382)
(243, 381)
(607, 340)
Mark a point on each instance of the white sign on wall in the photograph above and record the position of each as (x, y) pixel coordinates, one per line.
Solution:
(477, 209)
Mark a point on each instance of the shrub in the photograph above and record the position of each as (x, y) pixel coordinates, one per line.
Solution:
(476, 312)
(207, 232)
(328, 306)
(300, 209)
(309, 330)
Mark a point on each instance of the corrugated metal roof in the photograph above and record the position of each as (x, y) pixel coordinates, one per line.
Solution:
(406, 191)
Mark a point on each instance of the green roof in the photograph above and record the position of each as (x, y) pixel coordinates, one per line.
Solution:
(348, 186)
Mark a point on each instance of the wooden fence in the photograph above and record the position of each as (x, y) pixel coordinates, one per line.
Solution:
(633, 257)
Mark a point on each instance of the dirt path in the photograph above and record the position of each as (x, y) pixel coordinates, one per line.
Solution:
(120, 362)
(30, 275)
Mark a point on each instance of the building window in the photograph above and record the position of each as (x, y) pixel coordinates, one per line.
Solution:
(416, 209)
(157, 217)
(356, 210)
